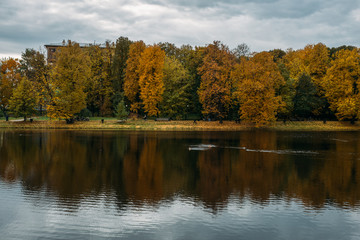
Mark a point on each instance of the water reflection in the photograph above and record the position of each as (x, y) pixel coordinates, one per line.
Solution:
(148, 168)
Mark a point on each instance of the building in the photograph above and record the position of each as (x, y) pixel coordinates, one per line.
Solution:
(53, 48)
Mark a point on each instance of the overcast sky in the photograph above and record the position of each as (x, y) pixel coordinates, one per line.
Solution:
(262, 24)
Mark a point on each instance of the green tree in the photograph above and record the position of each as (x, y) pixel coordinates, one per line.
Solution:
(121, 112)
(69, 76)
(9, 79)
(306, 100)
(192, 58)
(287, 92)
(170, 49)
(151, 79)
(176, 95)
(24, 99)
(131, 81)
(99, 88)
(118, 67)
(34, 67)
(215, 87)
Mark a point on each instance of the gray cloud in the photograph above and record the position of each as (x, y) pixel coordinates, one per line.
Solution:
(263, 25)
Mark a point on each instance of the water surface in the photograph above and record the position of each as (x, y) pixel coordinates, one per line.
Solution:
(179, 185)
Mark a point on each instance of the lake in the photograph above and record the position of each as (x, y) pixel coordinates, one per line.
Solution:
(179, 185)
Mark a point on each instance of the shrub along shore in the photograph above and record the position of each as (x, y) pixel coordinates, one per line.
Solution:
(183, 125)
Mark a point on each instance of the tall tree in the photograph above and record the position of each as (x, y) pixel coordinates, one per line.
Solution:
(341, 84)
(69, 76)
(131, 81)
(306, 100)
(318, 60)
(99, 87)
(313, 61)
(176, 96)
(24, 99)
(192, 58)
(286, 91)
(10, 77)
(258, 80)
(151, 79)
(33, 66)
(215, 88)
(118, 68)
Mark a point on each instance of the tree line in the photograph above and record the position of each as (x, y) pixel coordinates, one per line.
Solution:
(211, 82)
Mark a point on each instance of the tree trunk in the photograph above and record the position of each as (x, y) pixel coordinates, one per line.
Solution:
(24, 118)
(352, 121)
(6, 116)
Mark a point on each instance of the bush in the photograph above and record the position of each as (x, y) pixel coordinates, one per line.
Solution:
(121, 112)
(85, 113)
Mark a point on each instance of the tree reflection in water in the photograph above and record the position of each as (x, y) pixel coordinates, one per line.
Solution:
(150, 167)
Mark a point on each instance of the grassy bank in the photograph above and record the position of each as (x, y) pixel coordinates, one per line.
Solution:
(113, 124)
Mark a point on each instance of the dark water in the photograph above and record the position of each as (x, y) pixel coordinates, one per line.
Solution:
(179, 185)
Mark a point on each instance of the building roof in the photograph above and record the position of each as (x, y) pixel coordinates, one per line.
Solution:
(102, 45)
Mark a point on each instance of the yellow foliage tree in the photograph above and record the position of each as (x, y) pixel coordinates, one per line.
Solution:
(257, 80)
(312, 60)
(24, 99)
(69, 76)
(318, 60)
(131, 80)
(151, 83)
(341, 84)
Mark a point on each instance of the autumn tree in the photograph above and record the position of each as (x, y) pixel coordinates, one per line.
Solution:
(257, 82)
(334, 50)
(341, 84)
(317, 59)
(34, 67)
(313, 61)
(99, 88)
(216, 86)
(9, 79)
(176, 95)
(118, 67)
(24, 99)
(131, 80)
(151, 83)
(69, 76)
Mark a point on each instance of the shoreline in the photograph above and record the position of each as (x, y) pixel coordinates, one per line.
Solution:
(182, 125)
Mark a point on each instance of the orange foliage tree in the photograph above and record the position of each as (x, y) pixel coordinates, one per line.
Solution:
(9, 79)
(215, 87)
(151, 78)
(131, 80)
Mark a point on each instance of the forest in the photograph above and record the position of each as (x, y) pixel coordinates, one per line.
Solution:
(213, 82)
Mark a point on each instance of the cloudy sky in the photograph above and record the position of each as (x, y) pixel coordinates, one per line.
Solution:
(262, 24)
